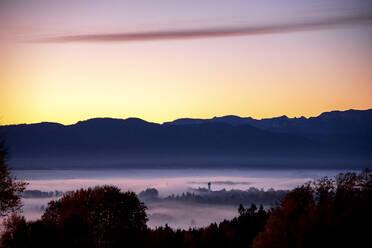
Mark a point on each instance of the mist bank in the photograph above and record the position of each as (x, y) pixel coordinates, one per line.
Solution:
(203, 206)
(193, 196)
(332, 140)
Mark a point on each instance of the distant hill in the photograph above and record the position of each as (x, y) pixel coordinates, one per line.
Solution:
(334, 122)
(333, 139)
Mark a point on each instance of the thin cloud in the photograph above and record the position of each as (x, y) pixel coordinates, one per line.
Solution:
(176, 34)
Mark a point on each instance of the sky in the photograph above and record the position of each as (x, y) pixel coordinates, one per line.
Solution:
(71, 60)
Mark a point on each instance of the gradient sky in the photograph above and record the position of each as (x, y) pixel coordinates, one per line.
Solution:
(301, 73)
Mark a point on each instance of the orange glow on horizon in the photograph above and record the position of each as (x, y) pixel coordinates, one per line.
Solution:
(163, 81)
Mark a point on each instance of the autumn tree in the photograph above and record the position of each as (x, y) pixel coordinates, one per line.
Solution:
(325, 213)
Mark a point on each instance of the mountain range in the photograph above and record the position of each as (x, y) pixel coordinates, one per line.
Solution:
(335, 139)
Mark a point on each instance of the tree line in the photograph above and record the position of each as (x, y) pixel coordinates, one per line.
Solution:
(222, 197)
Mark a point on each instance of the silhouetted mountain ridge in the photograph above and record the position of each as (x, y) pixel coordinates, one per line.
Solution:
(350, 121)
(335, 134)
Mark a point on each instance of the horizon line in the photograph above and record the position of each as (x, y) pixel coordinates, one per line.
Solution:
(117, 118)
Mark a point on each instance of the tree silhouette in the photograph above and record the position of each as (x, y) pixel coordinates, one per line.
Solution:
(15, 232)
(324, 213)
(10, 188)
(98, 217)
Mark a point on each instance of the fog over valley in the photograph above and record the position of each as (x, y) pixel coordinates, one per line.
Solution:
(177, 197)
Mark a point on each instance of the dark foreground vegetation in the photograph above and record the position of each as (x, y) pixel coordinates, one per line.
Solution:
(324, 213)
(10, 188)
